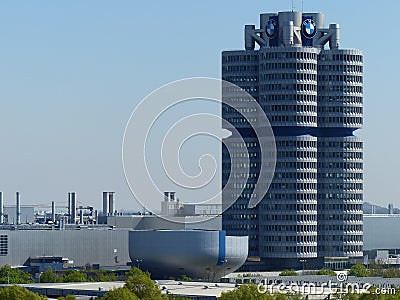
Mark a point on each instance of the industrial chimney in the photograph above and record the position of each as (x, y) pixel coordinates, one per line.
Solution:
(390, 209)
(105, 203)
(111, 203)
(53, 212)
(69, 208)
(72, 207)
(172, 196)
(18, 209)
(1, 208)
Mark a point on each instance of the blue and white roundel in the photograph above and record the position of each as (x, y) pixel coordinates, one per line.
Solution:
(271, 29)
(309, 28)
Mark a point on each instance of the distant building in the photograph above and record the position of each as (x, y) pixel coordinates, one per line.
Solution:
(171, 207)
(381, 234)
(174, 215)
(153, 222)
(27, 214)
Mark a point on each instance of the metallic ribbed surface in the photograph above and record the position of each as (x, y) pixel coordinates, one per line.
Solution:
(340, 89)
(340, 154)
(288, 85)
(340, 196)
(104, 247)
(288, 215)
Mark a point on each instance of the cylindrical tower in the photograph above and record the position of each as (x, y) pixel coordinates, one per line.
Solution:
(288, 88)
(288, 95)
(241, 68)
(288, 215)
(340, 153)
(340, 196)
(340, 91)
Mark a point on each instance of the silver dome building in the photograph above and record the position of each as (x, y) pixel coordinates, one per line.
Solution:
(198, 254)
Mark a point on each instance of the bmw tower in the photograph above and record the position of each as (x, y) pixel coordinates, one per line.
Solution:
(312, 92)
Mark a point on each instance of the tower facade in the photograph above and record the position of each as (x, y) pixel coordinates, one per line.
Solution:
(311, 91)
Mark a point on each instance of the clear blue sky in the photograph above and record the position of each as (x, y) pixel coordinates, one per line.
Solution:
(71, 72)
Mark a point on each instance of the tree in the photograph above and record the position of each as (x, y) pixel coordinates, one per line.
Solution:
(359, 270)
(68, 297)
(120, 294)
(140, 283)
(375, 270)
(391, 273)
(49, 276)
(184, 278)
(74, 276)
(101, 275)
(374, 294)
(326, 272)
(288, 273)
(14, 276)
(347, 296)
(19, 293)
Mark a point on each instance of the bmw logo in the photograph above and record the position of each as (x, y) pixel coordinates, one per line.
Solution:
(271, 29)
(309, 28)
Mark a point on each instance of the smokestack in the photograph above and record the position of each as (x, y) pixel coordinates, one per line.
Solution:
(96, 216)
(18, 209)
(81, 216)
(1, 208)
(105, 203)
(172, 196)
(62, 223)
(111, 203)
(53, 211)
(390, 209)
(73, 208)
(166, 196)
(69, 207)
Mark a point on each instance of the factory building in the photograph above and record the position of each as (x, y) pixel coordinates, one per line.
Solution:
(183, 245)
(381, 239)
(199, 254)
(102, 247)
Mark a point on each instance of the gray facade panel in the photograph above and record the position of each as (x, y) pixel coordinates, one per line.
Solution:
(104, 247)
(380, 232)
